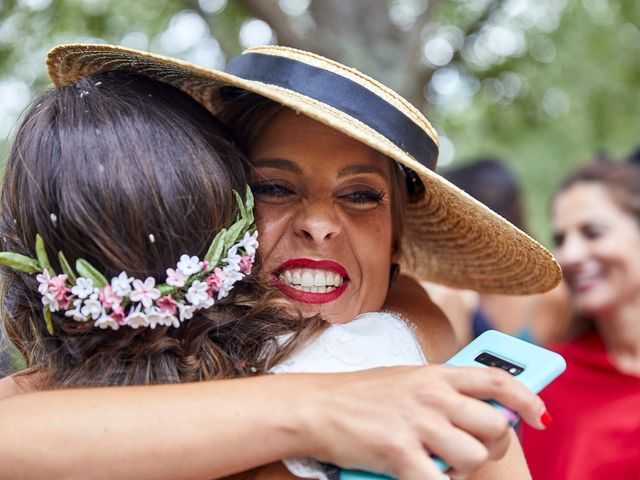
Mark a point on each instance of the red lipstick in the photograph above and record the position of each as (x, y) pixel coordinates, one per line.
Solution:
(311, 297)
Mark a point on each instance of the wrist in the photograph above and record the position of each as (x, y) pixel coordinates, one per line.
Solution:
(298, 413)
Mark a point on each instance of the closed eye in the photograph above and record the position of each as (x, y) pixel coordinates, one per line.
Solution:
(272, 190)
(363, 198)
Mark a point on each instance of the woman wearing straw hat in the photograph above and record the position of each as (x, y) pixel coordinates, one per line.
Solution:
(350, 419)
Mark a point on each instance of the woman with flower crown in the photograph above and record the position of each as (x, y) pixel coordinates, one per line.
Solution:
(352, 419)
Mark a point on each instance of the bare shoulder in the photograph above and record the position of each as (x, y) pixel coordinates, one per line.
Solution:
(18, 383)
(409, 298)
(9, 387)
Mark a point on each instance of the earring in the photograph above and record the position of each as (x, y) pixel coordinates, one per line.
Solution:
(393, 272)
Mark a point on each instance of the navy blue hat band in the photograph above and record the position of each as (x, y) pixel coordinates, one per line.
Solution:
(340, 93)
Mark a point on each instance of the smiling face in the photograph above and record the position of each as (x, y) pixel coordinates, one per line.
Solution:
(598, 248)
(323, 208)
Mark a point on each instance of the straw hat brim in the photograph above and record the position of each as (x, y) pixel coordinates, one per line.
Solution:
(450, 238)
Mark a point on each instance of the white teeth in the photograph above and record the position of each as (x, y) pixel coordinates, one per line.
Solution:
(307, 279)
(311, 280)
(319, 279)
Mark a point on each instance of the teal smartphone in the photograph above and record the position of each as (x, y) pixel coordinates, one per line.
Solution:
(534, 366)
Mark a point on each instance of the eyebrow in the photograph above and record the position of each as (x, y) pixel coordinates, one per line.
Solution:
(279, 163)
(288, 165)
(356, 169)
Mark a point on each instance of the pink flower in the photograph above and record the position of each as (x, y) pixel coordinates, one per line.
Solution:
(167, 304)
(109, 298)
(175, 278)
(205, 266)
(65, 300)
(216, 280)
(57, 286)
(118, 315)
(144, 292)
(246, 263)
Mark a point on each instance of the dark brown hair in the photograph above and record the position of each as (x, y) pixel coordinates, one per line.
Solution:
(249, 114)
(129, 174)
(491, 182)
(622, 181)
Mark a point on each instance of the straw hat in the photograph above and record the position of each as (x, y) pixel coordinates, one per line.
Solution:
(450, 238)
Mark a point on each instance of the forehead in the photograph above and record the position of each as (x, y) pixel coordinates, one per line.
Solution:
(583, 203)
(313, 145)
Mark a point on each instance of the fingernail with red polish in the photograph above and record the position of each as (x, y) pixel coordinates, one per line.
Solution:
(546, 419)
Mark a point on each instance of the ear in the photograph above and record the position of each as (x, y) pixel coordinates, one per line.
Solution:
(394, 270)
(396, 250)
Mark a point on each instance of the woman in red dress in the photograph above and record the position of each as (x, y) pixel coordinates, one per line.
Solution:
(596, 403)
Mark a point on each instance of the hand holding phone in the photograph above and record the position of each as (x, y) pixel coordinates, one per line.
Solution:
(534, 366)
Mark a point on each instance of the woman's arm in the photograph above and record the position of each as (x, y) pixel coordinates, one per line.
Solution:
(512, 466)
(212, 429)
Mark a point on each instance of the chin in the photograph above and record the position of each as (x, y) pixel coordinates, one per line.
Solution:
(592, 305)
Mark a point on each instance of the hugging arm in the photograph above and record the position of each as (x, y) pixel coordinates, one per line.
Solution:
(212, 429)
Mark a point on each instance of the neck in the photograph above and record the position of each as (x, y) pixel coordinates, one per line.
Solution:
(620, 331)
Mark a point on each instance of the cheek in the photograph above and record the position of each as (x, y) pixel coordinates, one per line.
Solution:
(270, 227)
(375, 249)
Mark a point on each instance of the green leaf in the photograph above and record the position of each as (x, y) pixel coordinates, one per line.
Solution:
(249, 204)
(215, 250)
(85, 269)
(47, 319)
(234, 232)
(19, 262)
(43, 258)
(165, 289)
(243, 211)
(66, 268)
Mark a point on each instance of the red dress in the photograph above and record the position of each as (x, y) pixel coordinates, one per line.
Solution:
(596, 415)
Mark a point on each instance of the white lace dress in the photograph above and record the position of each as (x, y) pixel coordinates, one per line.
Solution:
(371, 340)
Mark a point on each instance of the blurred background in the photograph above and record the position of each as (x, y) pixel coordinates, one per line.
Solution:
(542, 84)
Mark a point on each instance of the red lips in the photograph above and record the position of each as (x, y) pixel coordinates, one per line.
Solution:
(311, 297)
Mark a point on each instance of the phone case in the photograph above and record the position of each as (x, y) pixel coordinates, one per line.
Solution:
(541, 367)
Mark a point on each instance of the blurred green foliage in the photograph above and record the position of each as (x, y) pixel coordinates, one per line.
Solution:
(543, 84)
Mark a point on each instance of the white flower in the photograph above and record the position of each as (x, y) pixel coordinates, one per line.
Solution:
(156, 317)
(43, 279)
(170, 320)
(92, 307)
(231, 277)
(75, 312)
(106, 321)
(185, 311)
(197, 295)
(51, 301)
(175, 277)
(145, 292)
(249, 243)
(83, 287)
(232, 260)
(121, 285)
(136, 318)
(153, 317)
(189, 265)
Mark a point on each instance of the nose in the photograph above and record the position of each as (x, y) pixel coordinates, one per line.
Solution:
(572, 251)
(317, 221)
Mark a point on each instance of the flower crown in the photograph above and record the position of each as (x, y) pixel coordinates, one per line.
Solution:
(193, 285)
